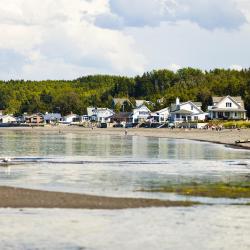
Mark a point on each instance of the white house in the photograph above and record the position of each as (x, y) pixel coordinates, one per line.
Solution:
(70, 118)
(7, 119)
(227, 107)
(163, 114)
(141, 114)
(52, 117)
(100, 114)
(186, 111)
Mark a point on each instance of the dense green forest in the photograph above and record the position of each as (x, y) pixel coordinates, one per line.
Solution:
(18, 96)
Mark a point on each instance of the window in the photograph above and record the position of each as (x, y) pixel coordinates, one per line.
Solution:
(235, 114)
(192, 108)
(228, 104)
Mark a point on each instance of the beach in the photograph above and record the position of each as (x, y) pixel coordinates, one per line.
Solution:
(11, 197)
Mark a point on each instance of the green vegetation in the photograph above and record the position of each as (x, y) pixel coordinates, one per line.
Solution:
(236, 124)
(99, 90)
(213, 190)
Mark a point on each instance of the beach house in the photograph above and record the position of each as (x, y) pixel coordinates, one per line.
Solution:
(141, 114)
(100, 114)
(34, 119)
(227, 107)
(186, 112)
(52, 117)
(7, 119)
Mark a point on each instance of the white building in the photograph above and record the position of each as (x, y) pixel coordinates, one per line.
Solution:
(70, 118)
(163, 114)
(186, 112)
(7, 119)
(100, 114)
(52, 117)
(141, 114)
(227, 107)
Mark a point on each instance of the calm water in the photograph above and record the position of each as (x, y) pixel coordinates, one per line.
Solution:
(120, 166)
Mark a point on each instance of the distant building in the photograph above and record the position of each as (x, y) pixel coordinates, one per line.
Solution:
(123, 117)
(186, 112)
(100, 114)
(141, 114)
(52, 118)
(139, 103)
(71, 118)
(34, 118)
(227, 107)
(7, 119)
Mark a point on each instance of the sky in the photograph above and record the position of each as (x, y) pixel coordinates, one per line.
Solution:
(62, 39)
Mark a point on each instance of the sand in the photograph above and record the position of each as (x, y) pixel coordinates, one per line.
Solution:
(11, 197)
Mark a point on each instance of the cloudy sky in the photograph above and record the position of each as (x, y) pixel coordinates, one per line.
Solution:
(62, 39)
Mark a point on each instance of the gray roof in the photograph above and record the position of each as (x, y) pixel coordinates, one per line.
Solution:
(237, 99)
(183, 111)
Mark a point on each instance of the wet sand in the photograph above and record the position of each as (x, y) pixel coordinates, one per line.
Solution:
(11, 197)
(226, 136)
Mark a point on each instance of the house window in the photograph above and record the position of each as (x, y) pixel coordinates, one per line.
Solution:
(177, 116)
(227, 114)
(220, 114)
(228, 104)
(196, 118)
(192, 108)
(235, 114)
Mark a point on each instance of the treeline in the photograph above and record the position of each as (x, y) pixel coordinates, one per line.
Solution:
(19, 96)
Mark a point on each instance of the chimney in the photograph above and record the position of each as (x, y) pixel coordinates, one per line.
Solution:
(177, 101)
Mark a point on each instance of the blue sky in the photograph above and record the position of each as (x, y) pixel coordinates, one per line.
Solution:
(62, 39)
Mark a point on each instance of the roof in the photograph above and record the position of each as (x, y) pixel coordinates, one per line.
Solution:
(237, 99)
(120, 100)
(183, 111)
(52, 116)
(198, 104)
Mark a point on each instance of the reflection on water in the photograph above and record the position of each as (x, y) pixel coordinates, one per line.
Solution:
(115, 165)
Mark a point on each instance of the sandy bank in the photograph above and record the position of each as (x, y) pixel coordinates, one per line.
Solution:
(226, 136)
(11, 197)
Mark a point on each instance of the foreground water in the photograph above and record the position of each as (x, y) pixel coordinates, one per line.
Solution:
(119, 166)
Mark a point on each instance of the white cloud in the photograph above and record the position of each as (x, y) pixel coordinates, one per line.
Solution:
(62, 35)
(209, 14)
(65, 39)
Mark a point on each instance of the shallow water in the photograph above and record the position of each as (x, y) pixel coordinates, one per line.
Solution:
(208, 227)
(118, 166)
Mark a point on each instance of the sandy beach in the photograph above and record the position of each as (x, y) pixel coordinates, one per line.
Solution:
(11, 197)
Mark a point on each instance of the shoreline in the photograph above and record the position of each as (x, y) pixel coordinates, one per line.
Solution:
(225, 137)
(11, 197)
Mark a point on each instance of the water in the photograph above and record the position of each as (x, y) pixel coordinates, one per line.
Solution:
(121, 166)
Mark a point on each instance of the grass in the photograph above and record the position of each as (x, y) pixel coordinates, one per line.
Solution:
(213, 190)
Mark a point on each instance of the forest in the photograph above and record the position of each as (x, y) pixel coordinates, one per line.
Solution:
(19, 96)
